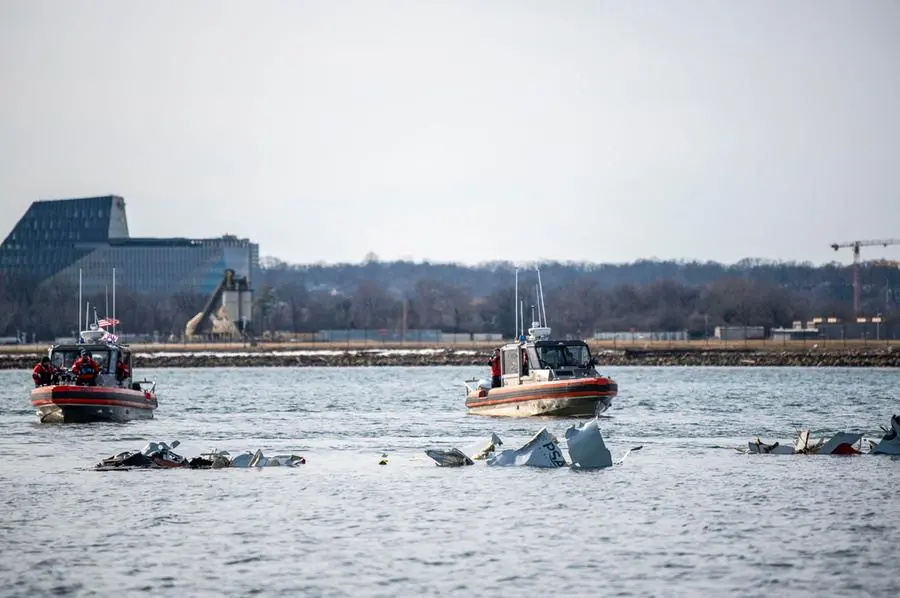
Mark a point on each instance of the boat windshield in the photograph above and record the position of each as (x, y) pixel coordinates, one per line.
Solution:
(64, 358)
(564, 356)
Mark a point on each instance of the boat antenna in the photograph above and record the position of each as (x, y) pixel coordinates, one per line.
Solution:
(107, 301)
(114, 302)
(522, 317)
(515, 307)
(79, 300)
(541, 293)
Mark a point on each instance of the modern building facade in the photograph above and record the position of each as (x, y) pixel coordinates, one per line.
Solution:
(57, 239)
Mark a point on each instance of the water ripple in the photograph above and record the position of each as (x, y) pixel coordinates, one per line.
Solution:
(686, 516)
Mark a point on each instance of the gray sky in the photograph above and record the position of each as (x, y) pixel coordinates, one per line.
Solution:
(448, 130)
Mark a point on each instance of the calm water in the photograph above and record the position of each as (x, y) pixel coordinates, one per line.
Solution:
(685, 516)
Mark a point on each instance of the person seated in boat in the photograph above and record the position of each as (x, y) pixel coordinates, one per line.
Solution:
(123, 372)
(86, 369)
(524, 362)
(495, 369)
(44, 373)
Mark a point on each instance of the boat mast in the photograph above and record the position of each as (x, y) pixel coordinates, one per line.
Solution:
(541, 294)
(515, 307)
(522, 317)
(79, 301)
(114, 302)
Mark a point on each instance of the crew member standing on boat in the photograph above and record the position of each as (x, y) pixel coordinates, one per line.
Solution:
(123, 372)
(44, 373)
(495, 369)
(86, 369)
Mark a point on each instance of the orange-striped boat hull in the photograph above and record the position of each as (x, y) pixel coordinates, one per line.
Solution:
(582, 397)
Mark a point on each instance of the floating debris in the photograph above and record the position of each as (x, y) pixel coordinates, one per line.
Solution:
(488, 448)
(586, 447)
(890, 442)
(587, 450)
(157, 455)
(449, 458)
(541, 451)
(842, 443)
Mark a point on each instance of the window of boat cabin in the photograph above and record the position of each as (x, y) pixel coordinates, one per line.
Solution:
(564, 356)
(64, 358)
(533, 357)
(510, 362)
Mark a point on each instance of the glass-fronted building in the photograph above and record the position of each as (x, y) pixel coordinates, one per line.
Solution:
(56, 239)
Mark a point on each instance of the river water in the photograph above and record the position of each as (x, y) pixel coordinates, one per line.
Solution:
(685, 516)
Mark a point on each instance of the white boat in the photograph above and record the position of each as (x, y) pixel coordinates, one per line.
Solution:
(540, 376)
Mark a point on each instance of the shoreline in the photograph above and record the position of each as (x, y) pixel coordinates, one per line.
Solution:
(871, 356)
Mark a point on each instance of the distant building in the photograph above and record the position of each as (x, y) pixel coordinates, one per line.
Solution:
(637, 335)
(57, 238)
(797, 332)
(734, 333)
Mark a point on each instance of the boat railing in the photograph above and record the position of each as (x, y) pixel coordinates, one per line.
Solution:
(140, 384)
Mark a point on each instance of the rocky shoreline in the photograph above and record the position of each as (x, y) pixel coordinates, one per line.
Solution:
(870, 357)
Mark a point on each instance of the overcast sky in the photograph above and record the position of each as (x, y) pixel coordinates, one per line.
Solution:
(464, 130)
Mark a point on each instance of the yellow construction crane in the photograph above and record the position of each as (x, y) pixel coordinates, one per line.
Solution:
(856, 245)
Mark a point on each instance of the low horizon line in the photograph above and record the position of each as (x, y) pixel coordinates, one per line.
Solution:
(550, 261)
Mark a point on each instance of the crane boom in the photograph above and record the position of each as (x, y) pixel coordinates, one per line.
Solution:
(856, 245)
(869, 243)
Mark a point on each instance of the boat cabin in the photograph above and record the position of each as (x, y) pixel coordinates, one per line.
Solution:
(545, 360)
(106, 354)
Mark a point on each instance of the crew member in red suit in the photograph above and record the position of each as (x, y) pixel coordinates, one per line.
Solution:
(495, 369)
(86, 369)
(122, 371)
(44, 373)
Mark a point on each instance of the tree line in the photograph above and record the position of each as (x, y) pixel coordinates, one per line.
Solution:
(579, 298)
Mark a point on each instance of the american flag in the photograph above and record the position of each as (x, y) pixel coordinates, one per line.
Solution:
(110, 337)
(106, 322)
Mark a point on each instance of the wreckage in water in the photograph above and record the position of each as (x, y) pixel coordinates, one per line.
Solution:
(842, 443)
(586, 447)
(542, 376)
(160, 455)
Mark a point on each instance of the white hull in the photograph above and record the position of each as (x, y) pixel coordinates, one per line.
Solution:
(570, 407)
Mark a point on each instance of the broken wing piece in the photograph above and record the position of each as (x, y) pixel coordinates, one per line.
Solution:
(449, 458)
(841, 444)
(541, 451)
(586, 447)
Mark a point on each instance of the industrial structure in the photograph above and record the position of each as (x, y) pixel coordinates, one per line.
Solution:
(57, 239)
(856, 245)
(228, 312)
